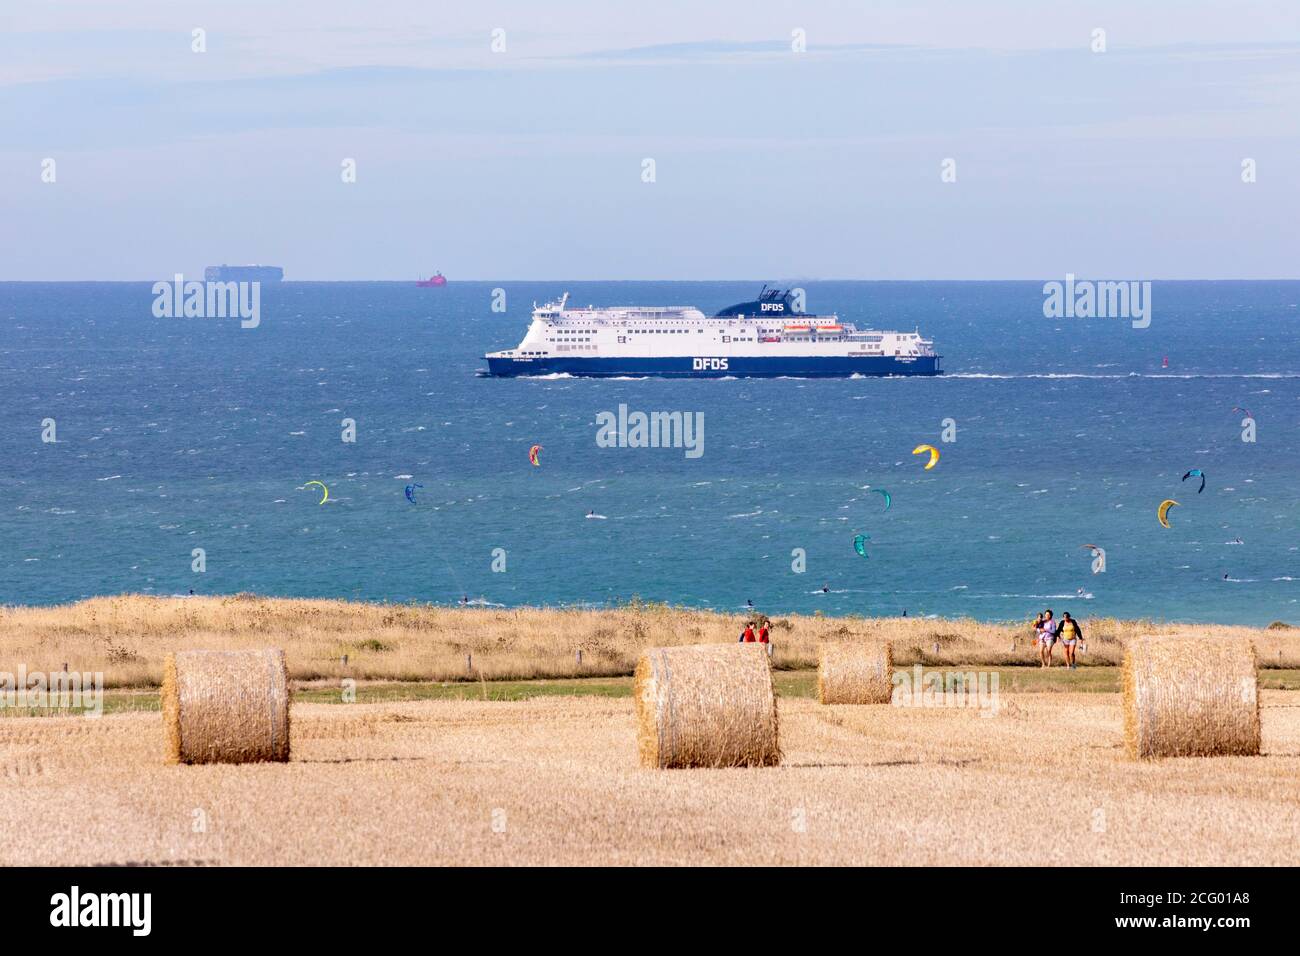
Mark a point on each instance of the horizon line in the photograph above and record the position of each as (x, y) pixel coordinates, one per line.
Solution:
(411, 281)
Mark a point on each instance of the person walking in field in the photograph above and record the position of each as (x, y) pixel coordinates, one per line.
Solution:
(1071, 634)
(764, 631)
(1038, 622)
(747, 635)
(1046, 638)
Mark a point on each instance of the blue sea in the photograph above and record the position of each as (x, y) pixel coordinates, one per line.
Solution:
(176, 434)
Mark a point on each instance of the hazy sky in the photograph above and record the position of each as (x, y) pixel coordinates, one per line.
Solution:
(769, 163)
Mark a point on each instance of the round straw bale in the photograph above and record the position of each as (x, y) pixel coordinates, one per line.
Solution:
(711, 705)
(226, 706)
(855, 673)
(1190, 697)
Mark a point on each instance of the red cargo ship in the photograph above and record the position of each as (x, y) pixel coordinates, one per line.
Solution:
(437, 280)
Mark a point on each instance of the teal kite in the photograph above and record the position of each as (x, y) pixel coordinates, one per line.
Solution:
(1196, 473)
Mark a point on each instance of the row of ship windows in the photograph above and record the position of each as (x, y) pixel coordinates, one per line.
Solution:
(725, 338)
(621, 338)
(576, 332)
(657, 332)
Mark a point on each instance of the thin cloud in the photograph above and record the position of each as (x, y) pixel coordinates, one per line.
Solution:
(712, 49)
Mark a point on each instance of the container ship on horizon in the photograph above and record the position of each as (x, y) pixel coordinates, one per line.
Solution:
(224, 273)
(762, 338)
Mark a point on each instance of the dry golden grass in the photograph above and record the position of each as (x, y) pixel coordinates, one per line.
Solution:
(1190, 697)
(857, 672)
(557, 781)
(128, 637)
(712, 705)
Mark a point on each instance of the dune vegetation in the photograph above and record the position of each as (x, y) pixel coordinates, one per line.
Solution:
(127, 638)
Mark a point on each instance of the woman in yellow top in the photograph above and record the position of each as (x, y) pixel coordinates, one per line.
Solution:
(1070, 634)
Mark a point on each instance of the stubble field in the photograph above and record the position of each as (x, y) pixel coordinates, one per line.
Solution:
(555, 780)
(480, 737)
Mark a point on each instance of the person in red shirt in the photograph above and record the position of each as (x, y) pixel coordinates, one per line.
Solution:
(763, 632)
(747, 636)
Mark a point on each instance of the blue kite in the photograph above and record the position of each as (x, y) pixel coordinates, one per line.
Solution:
(1196, 473)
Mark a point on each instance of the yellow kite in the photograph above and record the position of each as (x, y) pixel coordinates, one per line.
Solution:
(934, 455)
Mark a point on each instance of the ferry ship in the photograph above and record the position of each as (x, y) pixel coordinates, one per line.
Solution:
(762, 338)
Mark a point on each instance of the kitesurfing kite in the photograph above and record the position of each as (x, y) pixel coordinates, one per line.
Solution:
(532, 455)
(1098, 565)
(1163, 511)
(326, 492)
(1196, 473)
(860, 543)
(1238, 408)
(934, 455)
(888, 500)
(410, 493)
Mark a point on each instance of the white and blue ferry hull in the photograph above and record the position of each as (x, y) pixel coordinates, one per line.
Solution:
(731, 366)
